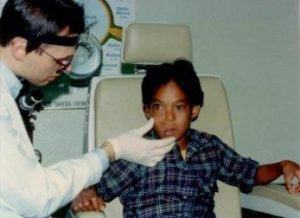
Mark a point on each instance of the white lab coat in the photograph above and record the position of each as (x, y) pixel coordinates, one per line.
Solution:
(26, 188)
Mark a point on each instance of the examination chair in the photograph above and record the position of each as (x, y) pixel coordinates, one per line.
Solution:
(115, 102)
(115, 106)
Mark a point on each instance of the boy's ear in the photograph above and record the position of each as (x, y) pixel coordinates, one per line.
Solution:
(18, 48)
(146, 111)
(195, 112)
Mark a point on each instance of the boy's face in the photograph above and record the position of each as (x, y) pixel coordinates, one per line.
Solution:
(172, 112)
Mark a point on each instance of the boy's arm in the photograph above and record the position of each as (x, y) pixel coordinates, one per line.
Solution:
(289, 169)
(118, 177)
(113, 182)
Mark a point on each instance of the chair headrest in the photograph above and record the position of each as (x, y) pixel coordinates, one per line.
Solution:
(149, 43)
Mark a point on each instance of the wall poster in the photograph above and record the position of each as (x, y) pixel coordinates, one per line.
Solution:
(106, 20)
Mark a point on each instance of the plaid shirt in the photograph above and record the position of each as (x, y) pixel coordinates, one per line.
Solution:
(176, 187)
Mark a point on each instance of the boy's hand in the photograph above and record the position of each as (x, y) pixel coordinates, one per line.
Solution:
(291, 173)
(88, 200)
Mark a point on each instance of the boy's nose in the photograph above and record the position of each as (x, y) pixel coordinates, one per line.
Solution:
(169, 114)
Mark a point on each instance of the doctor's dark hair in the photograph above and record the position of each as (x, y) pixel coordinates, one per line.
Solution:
(181, 72)
(34, 19)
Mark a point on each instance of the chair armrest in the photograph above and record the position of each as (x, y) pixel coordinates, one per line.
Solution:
(89, 214)
(278, 193)
(273, 199)
(113, 210)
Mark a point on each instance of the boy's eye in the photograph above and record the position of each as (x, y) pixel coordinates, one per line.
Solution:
(155, 106)
(180, 107)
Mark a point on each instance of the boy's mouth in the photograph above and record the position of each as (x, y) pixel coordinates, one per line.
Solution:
(169, 132)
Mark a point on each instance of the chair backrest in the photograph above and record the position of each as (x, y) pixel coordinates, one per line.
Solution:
(118, 108)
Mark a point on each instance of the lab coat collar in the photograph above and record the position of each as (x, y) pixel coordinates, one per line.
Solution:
(13, 84)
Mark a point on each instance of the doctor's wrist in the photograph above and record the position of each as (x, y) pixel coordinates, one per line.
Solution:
(108, 148)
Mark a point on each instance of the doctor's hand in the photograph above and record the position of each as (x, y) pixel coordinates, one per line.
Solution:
(133, 147)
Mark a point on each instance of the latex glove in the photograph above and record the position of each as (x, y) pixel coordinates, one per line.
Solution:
(133, 147)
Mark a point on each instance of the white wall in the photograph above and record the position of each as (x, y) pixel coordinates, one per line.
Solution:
(252, 45)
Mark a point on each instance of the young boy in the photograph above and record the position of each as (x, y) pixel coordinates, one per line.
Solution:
(184, 182)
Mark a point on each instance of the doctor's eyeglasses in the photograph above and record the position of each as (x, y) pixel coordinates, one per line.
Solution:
(64, 63)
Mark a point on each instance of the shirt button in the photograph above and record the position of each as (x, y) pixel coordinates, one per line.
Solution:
(185, 197)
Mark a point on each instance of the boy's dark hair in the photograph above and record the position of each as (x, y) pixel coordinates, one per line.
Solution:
(35, 19)
(181, 72)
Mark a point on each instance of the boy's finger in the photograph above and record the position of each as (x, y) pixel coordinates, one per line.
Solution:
(95, 203)
(297, 173)
(102, 204)
(88, 206)
(295, 184)
(288, 178)
(74, 208)
(74, 204)
(81, 207)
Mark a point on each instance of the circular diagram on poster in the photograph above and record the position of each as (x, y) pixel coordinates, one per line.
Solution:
(100, 20)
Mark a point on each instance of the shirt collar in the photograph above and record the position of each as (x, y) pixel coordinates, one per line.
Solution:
(193, 141)
(12, 82)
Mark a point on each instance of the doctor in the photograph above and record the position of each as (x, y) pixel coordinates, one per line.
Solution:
(37, 42)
